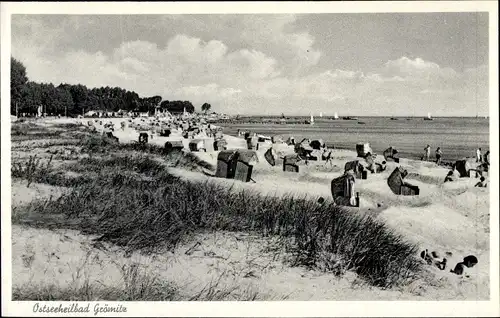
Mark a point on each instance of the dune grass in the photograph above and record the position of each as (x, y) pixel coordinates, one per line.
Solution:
(136, 286)
(132, 201)
(96, 144)
(425, 178)
(31, 170)
(31, 131)
(161, 211)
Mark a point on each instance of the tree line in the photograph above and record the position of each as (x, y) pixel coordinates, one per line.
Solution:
(72, 100)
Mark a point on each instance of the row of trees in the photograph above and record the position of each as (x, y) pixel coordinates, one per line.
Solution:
(71, 100)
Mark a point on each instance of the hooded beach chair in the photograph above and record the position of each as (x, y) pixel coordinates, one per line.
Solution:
(244, 164)
(357, 168)
(165, 132)
(143, 138)
(220, 144)
(290, 163)
(252, 143)
(270, 156)
(342, 189)
(398, 185)
(226, 164)
(174, 145)
(391, 154)
(463, 168)
(290, 141)
(317, 144)
(196, 145)
(363, 149)
(303, 149)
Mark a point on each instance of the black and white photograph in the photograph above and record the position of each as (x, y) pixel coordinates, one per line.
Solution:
(289, 155)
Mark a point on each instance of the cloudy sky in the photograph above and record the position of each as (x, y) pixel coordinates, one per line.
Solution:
(354, 64)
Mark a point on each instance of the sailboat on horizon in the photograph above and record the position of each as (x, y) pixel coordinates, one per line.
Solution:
(336, 116)
(312, 120)
(428, 117)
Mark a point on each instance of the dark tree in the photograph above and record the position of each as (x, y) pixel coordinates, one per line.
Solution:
(177, 107)
(18, 80)
(79, 94)
(74, 100)
(31, 98)
(205, 107)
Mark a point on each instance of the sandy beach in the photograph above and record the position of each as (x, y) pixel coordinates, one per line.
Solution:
(449, 218)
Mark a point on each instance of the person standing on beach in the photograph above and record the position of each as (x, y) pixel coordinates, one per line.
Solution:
(478, 155)
(486, 157)
(427, 153)
(439, 154)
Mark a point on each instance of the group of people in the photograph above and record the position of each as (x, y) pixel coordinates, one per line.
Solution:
(482, 159)
(439, 154)
(483, 166)
(427, 154)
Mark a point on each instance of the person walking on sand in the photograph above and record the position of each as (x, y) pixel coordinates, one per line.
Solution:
(439, 154)
(478, 155)
(486, 157)
(427, 153)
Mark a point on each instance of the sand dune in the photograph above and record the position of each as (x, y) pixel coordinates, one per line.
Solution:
(446, 217)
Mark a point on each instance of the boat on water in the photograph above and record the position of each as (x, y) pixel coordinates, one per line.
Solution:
(394, 118)
(361, 122)
(349, 118)
(428, 117)
(336, 116)
(320, 114)
(311, 122)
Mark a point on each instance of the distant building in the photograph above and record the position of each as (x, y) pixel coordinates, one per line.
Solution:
(91, 113)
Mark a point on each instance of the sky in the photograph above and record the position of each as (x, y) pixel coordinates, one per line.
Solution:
(389, 64)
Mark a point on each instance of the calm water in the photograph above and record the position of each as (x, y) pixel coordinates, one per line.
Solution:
(457, 137)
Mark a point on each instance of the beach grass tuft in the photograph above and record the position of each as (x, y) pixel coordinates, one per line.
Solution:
(150, 210)
(124, 194)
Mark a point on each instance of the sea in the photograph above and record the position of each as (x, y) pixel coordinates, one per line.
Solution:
(458, 137)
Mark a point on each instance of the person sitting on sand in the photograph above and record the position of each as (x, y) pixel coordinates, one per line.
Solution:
(481, 183)
(481, 168)
(449, 176)
(439, 154)
(381, 166)
(321, 201)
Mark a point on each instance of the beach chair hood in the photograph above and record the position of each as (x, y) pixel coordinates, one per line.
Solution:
(247, 156)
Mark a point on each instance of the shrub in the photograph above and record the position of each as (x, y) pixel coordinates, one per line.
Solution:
(132, 201)
(31, 170)
(161, 212)
(137, 285)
